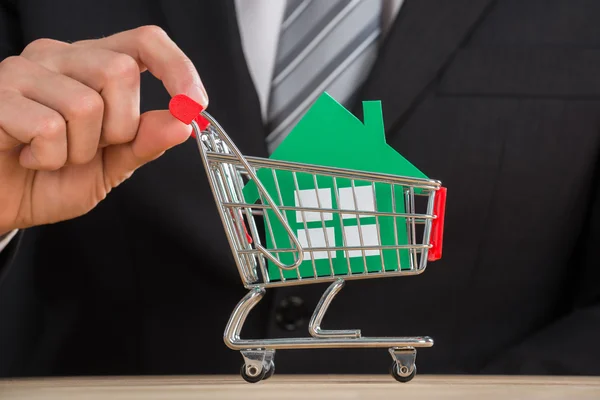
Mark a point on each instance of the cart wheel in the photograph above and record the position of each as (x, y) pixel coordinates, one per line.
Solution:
(270, 372)
(402, 376)
(251, 374)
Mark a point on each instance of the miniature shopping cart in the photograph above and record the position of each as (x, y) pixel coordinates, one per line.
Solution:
(271, 247)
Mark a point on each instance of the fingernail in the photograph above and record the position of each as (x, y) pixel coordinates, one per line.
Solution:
(198, 94)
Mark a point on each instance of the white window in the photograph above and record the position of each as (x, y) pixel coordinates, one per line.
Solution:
(308, 198)
(365, 200)
(369, 238)
(317, 239)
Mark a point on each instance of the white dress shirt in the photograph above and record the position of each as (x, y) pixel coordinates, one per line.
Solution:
(259, 22)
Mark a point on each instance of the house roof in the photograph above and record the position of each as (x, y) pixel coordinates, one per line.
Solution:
(330, 135)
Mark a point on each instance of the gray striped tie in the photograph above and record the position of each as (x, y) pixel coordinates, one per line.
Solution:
(324, 45)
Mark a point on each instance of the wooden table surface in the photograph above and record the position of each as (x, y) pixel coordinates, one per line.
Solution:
(303, 387)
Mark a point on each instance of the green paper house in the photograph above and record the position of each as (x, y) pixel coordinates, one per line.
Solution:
(330, 135)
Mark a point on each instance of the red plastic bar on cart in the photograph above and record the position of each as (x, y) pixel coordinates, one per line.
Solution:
(437, 226)
(248, 237)
(187, 110)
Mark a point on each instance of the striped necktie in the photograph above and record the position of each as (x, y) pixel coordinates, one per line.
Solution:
(324, 45)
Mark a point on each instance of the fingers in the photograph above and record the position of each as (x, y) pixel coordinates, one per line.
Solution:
(81, 107)
(115, 76)
(151, 47)
(43, 129)
(158, 131)
(94, 86)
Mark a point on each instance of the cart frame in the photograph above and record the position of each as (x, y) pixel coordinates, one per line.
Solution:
(226, 169)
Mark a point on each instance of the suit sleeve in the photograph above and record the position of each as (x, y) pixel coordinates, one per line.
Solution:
(570, 345)
(7, 256)
(10, 33)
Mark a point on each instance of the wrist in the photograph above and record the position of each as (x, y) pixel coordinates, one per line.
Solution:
(7, 225)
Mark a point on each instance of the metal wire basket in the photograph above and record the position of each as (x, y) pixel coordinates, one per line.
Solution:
(290, 223)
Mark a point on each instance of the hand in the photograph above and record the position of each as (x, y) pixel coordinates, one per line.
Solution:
(70, 125)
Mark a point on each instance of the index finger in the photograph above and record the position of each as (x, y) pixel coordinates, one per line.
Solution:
(152, 49)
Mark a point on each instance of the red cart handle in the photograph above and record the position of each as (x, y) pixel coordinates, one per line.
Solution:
(187, 110)
(437, 226)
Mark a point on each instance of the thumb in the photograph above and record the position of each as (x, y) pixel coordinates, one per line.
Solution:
(158, 131)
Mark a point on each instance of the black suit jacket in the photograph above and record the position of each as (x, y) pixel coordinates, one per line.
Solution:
(498, 99)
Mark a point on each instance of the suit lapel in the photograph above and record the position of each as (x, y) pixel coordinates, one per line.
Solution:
(417, 48)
